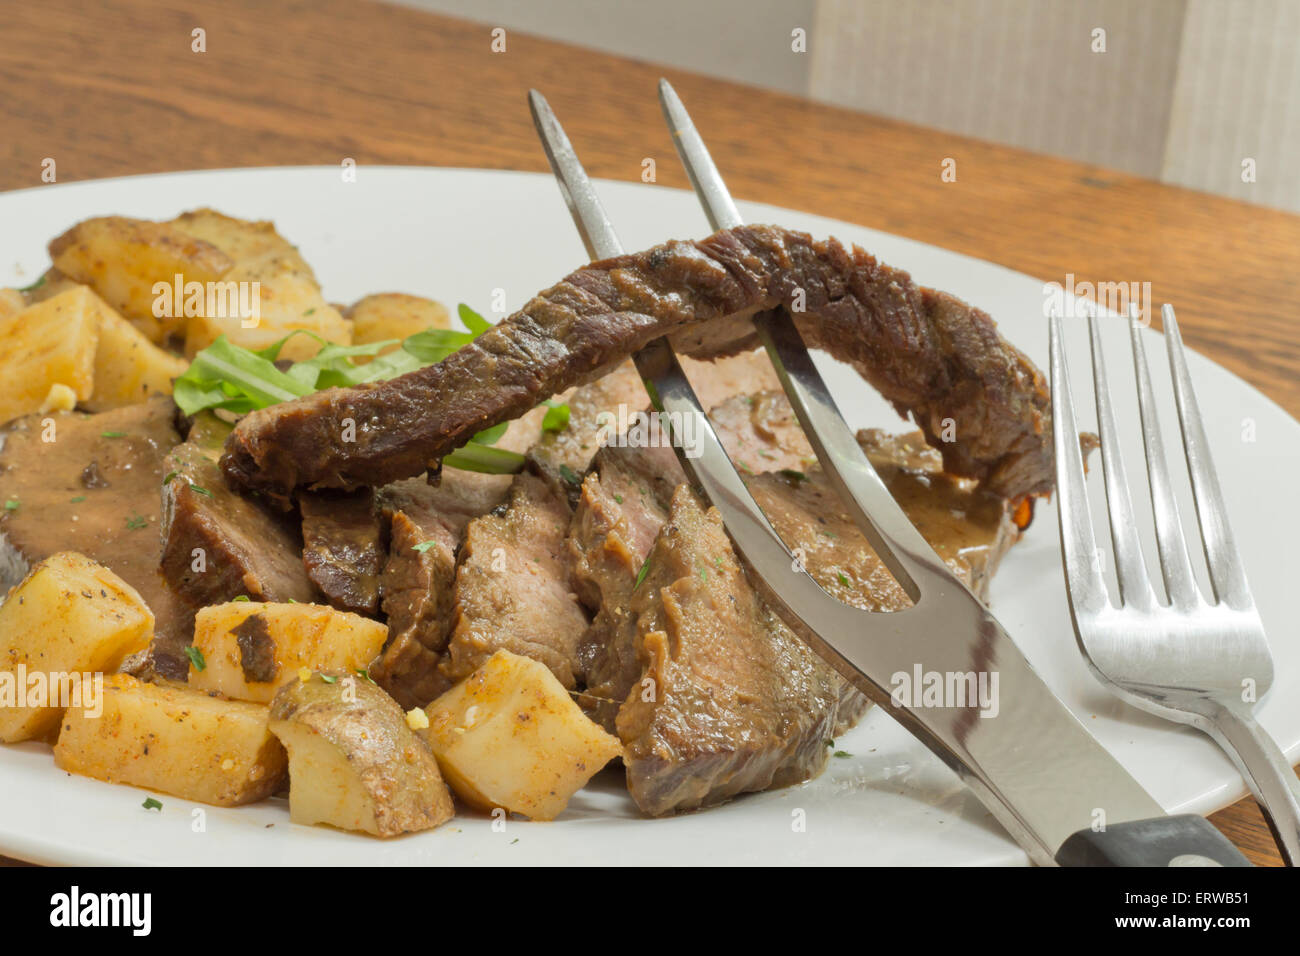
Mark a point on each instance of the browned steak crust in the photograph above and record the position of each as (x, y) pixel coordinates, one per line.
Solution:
(927, 352)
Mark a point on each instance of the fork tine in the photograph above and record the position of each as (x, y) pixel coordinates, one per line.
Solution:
(1227, 575)
(1130, 567)
(906, 554)
(1172, 545)
(1086, 587)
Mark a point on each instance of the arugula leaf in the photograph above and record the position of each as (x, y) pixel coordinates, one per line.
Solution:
(240, 380)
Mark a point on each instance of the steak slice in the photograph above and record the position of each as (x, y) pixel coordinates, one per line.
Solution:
(760, 432)
(218, 544)
(927, 352)
(729, 699)
(343, 548)
(93, 487)
(426, 526)
(512, 586)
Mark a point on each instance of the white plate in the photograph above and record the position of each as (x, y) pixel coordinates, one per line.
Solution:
(460, 235)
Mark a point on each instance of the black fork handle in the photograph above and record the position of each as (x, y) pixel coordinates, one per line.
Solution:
(1183, 840)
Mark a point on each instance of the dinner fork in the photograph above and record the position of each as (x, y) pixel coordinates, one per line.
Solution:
(1033, 765)
(1192, 660)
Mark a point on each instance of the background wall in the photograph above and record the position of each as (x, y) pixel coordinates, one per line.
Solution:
(1186, 91)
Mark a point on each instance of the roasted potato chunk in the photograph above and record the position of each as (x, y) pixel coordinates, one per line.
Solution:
(128, 367)
(49, 344)
(510, 736)
(122, 259)
(394, 315)
(11, 302)
(178, 741)
(250, 649)
(353, 761)
(68, 616)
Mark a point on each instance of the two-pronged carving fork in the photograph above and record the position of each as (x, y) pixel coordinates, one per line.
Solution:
(1033, 765)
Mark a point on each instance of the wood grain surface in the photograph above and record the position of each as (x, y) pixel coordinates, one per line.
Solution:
(114, 88)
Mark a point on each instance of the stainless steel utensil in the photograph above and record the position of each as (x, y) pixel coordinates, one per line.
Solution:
(1196, 661)
(1033, 765)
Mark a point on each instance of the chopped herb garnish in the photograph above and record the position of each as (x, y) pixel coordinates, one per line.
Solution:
(844, 581)
(556, 418)
(569, 475)
(765, 453)
(423, 546)
(640, 575)
(329, 678)
(793, 475)
(242, 598)
(198, 490)
(12, 504)
(196, 658)
(167, 479)
(618, 498)
(78, 499)
(137, 522)
(842, 754)
(310, 311)
(112, 434)
(514, 841)
(151, 804)
(365, 674)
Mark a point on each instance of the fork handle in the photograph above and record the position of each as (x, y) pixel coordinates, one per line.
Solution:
(1183, 840)
(1267, 773)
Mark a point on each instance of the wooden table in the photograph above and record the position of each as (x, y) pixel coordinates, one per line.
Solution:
(113, 88)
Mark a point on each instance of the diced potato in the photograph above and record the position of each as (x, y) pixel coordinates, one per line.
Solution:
(122, 259)
(243, 240)
(51, 283)
(251, 649)
(394, 315)
(49, 343)
(11, 302)
(69, 615)
(178, 741)
(353, 761)
(287, 301)
(128, 367)
(510, 736)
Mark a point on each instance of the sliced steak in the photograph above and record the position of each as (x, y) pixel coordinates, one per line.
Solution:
(90, 483)
(343, 547)
(426, 526)
(760, 432)
(512, 586)
(927, 352)
(729, 699)
(218, 544)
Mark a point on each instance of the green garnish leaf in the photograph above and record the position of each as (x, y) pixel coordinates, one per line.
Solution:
(556, 418)
(423, 546)
(329, 678)
(137, 522)
(167, 479)
(640, 575)
(239, 380)
(793, 475)
(200, 490)
(476, 324)
(618, 498)
(196, 658)
(78, 499)
(364, 673)
(112, 434)
(151, 804)
(841, 754)
(13, 504)
(242, 598)
(843, 579)
(570, 476)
